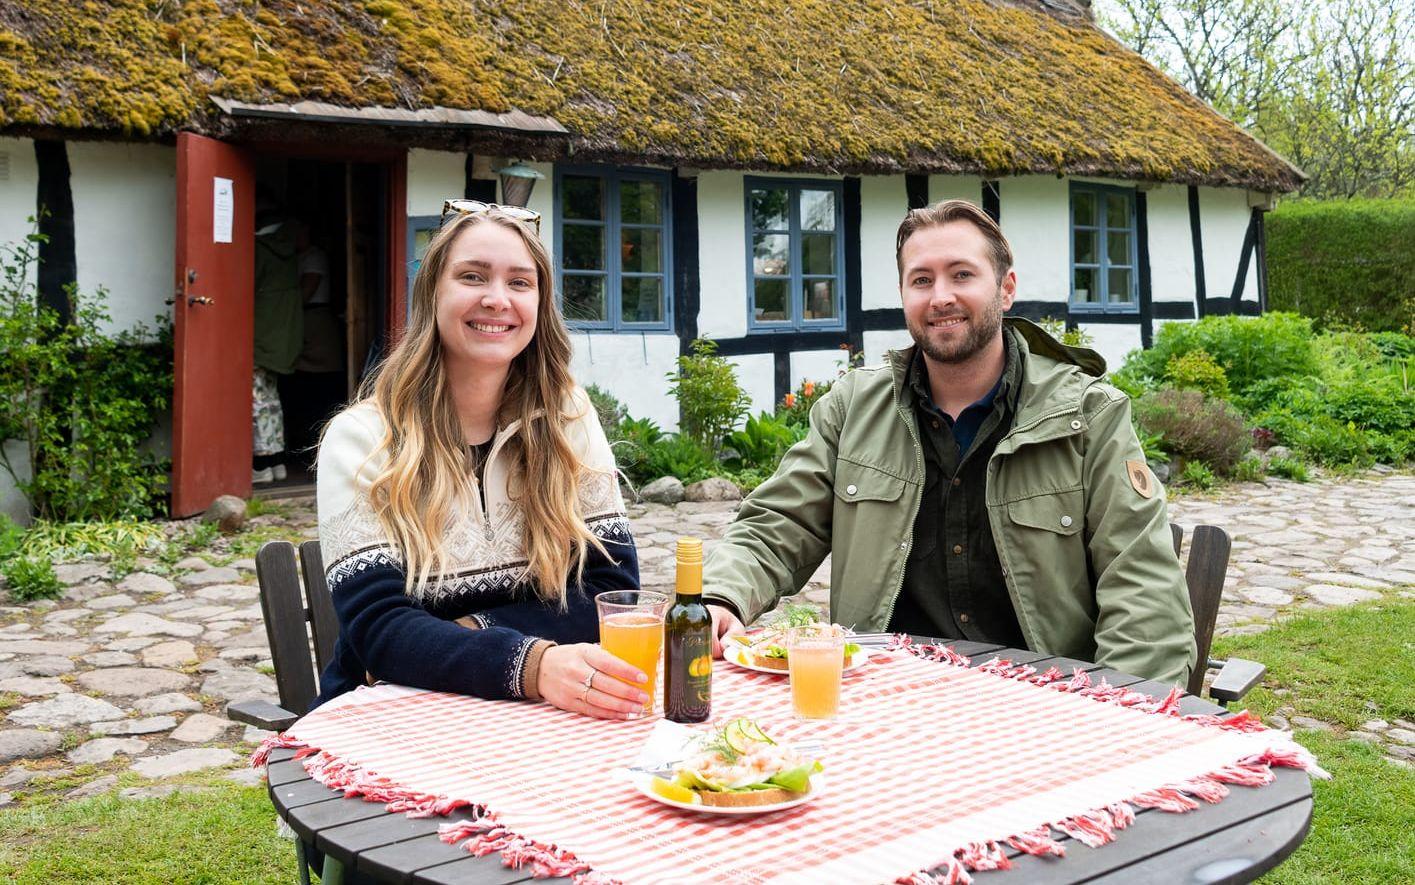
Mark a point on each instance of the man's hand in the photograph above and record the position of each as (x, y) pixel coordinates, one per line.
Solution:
(723, 623)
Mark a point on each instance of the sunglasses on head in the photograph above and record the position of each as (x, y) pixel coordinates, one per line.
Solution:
(477, 207)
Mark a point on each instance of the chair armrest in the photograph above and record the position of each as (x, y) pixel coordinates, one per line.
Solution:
(261, 714)
(1235, 679)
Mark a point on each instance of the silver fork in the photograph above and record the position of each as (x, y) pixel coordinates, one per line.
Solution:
(808, 750)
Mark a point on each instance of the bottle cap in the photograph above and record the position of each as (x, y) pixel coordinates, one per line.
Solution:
(690, 550)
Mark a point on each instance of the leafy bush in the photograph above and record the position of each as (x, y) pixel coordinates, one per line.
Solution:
(1197, 370)
(608, 408)
(1195, 427)
(1072, 337)
(1152, 444)
(82, 401)
(31, 577)
(635, 437)
(1249, 469)
(681, 456)
(762, 442)
(1344, 261)
(796, 407)
(709, 397)
(1250, 349)
(1288, 468)
(1198, 474)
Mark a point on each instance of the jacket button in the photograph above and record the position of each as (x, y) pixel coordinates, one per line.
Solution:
(934, 424)
(1066, 522)
(957, 549)
(903, 545)
(850, 489)
(1075, 425)
(957, 481)
(963, 618)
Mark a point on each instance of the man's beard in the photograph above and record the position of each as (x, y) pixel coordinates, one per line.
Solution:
(981, 330)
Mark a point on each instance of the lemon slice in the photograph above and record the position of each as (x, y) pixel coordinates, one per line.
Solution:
(674, 793)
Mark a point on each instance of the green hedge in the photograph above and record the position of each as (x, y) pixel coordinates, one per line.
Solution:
(1344, 262)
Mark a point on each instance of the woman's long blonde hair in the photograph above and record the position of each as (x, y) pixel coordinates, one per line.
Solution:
(427, 475)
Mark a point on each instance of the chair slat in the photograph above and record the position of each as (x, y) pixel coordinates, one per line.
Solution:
(1208, 566)
(284, 613)
(323, 623)
(1177, 531)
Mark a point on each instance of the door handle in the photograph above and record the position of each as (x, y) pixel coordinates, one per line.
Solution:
(200, 299)
(185, 292)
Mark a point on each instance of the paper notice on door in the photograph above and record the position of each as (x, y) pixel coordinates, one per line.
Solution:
(223, 208)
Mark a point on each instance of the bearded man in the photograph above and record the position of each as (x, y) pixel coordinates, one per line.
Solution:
(984, 484)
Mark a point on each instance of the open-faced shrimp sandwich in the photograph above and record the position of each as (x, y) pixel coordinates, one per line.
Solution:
(738, 765)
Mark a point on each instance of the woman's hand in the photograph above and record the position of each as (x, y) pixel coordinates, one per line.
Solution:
(723, 623)
(581, 678)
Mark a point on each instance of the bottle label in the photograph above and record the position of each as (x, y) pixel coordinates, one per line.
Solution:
(692, 698)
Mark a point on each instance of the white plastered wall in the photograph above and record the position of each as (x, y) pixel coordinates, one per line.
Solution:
(1113, 340)
(1036, 221)
(125, 225)
(434, 176)
(722, 256)
(816, 365)
(756, 372)
(1171, 244)
(883, 202)
(18, 186)
(633, 368)
(879, 341)
(1223, 216)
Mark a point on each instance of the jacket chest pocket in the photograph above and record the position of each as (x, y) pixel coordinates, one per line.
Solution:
(1061, 514)
(860, 483)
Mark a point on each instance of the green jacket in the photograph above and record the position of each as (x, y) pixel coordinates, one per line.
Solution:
(279, 309)
(1087, 556)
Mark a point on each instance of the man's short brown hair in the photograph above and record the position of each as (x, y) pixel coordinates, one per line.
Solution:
(942, 213)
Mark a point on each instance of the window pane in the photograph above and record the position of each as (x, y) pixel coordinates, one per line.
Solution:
(1083, 207)
(772, 300)
(583, 197)
(771, 254)
(584, 247)
(1119, 291)
(642, 299)
(818, 254)
(817, 210)
(1083, 282)
(1117, 247)
(769, 208)
(639, 250)
(1085, 247)
(819, 299)
(640, 202)
(584, 298)
(1117, 210)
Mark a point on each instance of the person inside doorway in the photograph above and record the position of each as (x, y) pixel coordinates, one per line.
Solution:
(315, 390)
(279, 331)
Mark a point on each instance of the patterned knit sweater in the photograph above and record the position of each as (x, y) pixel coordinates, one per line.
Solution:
(478, 627)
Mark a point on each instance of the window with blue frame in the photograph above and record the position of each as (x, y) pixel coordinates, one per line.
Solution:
(612, 234)
(1103, 249)
(796, 266)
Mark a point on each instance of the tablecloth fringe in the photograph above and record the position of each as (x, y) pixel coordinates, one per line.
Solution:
(1099, 826)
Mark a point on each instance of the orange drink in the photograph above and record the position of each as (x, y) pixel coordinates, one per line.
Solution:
(815, 656)
(631, 629)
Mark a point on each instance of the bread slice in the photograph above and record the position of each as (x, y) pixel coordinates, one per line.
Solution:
(747, 798)
(781, 664)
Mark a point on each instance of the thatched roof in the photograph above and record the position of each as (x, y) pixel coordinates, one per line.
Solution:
(827, 85)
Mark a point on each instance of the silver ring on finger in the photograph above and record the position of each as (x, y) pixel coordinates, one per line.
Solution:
(585, 695)
(589, 680)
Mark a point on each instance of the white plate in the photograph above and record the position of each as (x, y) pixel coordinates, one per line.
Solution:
(737, 655)
(641, 783)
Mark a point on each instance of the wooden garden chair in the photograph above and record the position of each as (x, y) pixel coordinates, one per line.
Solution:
(1209, 547)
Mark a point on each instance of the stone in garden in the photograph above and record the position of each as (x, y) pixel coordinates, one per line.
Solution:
(172, 702)
(139, 624)
(43, 646)
(192, 563)
(1266, 596)
(173, 653)
(1160, 469)
(251, 735)
(102, 749)
(245, 654)
(150, 725)
(1277, 452)
(1375, 725)
(239, 685)
(1330, 594)
(131, 643)
(664, 490)
(1364, 737)
(184, 761)
(133, 681)
(159, 791)
(1402, 735)
(17, 777)
(1401, 752)
(63, 616)
(714, 488)
(228, 512)
(110, 659)
(199, 728)
(93, 788)
(1348, 580)
(215, 575)
(1310, 723)
(244, 565)
(145, 583)
(45, 665)
(247, 777)
(107, 603)
(26, 743)
(33, 686)
(59, 630)
(62, 711)
(80, 572)
(229, 592)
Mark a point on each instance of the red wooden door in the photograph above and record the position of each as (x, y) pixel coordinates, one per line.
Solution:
(213, 323)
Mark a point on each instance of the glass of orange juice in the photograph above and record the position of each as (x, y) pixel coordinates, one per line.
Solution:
(631, 629)
(815, 656)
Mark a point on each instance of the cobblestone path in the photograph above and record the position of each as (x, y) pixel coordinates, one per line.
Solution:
(134, 672)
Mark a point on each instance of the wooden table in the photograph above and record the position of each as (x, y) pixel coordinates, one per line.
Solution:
(1237, 840)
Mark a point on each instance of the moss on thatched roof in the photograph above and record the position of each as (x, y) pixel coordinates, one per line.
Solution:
(846, 85)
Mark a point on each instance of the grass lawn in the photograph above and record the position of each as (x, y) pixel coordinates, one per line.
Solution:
(1345, 667)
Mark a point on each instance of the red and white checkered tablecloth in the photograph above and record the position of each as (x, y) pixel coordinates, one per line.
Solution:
(930, 766)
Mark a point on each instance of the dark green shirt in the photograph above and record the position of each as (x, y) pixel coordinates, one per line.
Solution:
(953, 584)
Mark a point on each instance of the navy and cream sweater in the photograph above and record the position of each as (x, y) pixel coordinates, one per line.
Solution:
(478, 627)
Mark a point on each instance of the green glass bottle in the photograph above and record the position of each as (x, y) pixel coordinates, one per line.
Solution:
(687, 642)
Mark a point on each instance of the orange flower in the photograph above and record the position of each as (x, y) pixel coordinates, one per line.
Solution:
(790, 400)
(809, 388)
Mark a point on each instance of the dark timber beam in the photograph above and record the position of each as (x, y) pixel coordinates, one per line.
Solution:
(54, 205)
(1196, 236)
